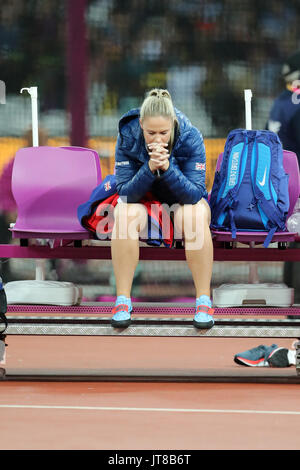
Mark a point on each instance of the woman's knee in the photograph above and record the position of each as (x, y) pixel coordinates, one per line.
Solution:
(205, 210)
(193, 217)
(130, 218)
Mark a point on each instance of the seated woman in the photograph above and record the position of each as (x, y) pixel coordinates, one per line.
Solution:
(159, 151)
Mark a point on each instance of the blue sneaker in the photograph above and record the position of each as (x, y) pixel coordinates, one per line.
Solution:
(121, 312)
(256, 357)
(203, 316)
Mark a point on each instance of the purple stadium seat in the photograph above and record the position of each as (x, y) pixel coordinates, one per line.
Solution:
(48, 184)
(290, 163)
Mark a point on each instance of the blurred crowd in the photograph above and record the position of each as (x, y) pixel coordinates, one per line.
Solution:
(204, 51)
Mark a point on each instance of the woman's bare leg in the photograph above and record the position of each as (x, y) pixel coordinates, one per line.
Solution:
(130, 219)
(194, 220)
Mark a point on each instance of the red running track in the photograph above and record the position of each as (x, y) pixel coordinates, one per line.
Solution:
(114, 415)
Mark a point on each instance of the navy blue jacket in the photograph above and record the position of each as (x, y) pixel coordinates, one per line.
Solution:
(183, 182)
(285, 121)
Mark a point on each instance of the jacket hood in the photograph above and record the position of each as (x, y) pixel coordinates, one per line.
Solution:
(130, 122)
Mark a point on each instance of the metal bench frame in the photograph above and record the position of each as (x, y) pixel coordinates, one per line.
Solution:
(94, 319)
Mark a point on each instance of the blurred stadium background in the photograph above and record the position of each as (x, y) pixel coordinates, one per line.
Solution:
(92, 60)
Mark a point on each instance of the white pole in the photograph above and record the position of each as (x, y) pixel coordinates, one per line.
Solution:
(40, 263)
(253, 267)
(248, 96)
(34, 113)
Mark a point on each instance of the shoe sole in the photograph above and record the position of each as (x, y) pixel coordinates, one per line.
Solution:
(247, 362)
(279, 358)
(203, 325)
(120, 324)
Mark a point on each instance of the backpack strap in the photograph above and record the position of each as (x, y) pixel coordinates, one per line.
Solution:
(231, 175)
(264, 196)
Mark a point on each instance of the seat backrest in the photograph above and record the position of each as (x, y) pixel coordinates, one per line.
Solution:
(291, 167)
(49, 183)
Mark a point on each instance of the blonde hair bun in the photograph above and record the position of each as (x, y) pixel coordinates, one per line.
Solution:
(158, 102)
(160, 93)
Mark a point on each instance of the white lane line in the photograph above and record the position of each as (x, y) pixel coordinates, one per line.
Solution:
(159, 410)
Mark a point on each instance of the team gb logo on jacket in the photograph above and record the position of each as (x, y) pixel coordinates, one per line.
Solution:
(200, 166)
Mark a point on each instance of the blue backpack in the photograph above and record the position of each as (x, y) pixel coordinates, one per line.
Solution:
(250, 192)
